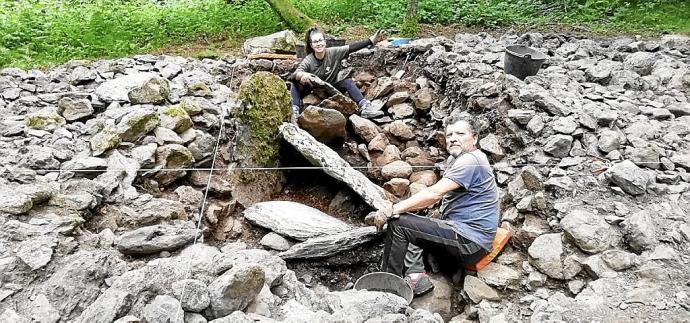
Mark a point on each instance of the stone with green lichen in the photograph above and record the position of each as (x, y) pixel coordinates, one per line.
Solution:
(191, 106)
(171, 157)
(47, 120)
(39, 193)
(175, 117)
(153, 91)
(20, 199)
(13, 203)
(137, 124)
(265, 105)
(199, 89)
(105, 140)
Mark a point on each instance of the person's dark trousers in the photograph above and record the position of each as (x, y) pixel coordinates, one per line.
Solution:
(298, 91)
(430, 234)
(348, 85)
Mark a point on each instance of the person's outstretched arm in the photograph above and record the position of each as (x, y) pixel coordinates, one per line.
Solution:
(371, 41)
(359, 45)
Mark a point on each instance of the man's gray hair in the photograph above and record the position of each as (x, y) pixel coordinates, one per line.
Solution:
(466, 117)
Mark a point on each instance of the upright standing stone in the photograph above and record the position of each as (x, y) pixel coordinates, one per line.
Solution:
(265, 105)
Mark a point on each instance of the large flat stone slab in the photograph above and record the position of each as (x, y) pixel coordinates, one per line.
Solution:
(327, 246)
(323, 156)
(294, 220)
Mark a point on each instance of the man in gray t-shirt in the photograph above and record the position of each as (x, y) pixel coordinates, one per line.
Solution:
(472, 208)
(469, 203)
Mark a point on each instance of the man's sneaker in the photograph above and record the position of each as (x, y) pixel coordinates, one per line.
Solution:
(363, 105)
(420, 285)
(366, 109)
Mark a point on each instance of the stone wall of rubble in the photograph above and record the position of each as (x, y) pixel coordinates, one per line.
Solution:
(104, 167)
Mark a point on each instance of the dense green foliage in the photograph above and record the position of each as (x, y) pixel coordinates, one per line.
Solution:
(42, 32)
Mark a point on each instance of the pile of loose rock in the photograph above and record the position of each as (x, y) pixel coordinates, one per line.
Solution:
(104, 167)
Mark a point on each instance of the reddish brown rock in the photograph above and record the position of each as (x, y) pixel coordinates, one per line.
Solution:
(401, 111)
(426, 177)
(405, 86)
(340, 103)
(364, 128)
(379, 143)
(416, 188)
(389, 155)
(397, 186)
(397, 98)
(399, 169)
(365, 77)
(381, 87)
(401, 130)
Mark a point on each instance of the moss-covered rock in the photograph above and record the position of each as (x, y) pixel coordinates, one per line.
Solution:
(13, 203)
(105, 140)
(137, 124)
(154, 91)
(20, 199)
(199, 89)
(171, 157)
(175, 117)
(47, 120)
(265, 105)
(191, 106)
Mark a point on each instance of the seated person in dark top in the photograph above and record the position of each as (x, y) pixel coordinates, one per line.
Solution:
(469, 205)
(325, 64)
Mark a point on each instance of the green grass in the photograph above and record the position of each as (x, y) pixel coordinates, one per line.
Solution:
(36, 33)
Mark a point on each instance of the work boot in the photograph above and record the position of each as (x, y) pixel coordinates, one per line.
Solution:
(367, 110)
(364, 105)
(420, 284)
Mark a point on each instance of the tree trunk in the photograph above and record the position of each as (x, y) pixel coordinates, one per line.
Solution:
(410, 25)
(295, 19)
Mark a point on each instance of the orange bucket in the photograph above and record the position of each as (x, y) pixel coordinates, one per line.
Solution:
(500, 240)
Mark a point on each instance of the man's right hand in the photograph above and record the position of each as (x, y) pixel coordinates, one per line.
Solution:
(377, 219)
(380, 217)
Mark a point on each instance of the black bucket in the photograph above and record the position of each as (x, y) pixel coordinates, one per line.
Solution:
(522, 61)
(385, 282)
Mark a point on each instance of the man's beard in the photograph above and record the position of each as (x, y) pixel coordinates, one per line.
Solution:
(455, 151)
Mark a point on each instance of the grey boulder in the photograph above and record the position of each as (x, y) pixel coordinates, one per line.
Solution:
(589, 232)
(294, 220)
(156, 238)
(235, 289)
